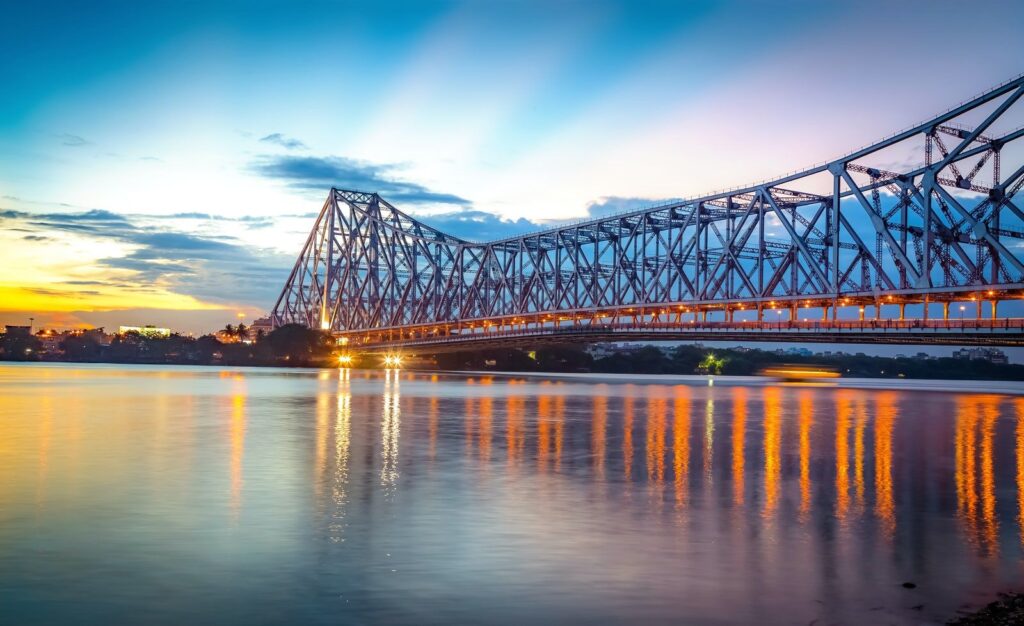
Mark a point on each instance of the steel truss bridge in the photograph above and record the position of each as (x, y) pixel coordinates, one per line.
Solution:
(848, 251)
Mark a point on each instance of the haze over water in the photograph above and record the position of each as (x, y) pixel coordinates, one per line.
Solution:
(240, 496)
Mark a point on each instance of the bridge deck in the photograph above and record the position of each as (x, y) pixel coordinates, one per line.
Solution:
(1001, 332)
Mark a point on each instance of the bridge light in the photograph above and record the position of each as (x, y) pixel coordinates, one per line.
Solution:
(345, 360)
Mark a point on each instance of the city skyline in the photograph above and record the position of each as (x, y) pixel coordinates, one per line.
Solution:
(169, 172)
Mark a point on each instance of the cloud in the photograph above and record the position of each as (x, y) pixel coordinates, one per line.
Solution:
(283, 141)
(213, 269)
(479, 226)
(611, 205)
(75, 141)
(322, 173)
(253, 221)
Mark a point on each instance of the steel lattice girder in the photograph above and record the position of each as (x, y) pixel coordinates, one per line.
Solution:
(368, 266)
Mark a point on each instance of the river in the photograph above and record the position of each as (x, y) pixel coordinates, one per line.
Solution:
(173, 495)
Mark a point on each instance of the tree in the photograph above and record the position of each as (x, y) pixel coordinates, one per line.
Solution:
(229, 330)
(241, 331)
(83, 347)
(297, 343)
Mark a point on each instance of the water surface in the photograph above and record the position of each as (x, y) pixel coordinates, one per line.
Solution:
(170, 495)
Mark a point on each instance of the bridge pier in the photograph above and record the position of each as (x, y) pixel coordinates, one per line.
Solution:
(945, 311)
(903, 311)
(926, 303)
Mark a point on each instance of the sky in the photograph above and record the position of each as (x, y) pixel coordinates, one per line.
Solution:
(162, 162)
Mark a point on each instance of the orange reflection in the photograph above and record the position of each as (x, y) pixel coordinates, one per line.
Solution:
(237, 445)
(1020, 468)
(990, 524)
(627, 434)
(772, 448)
(739, 432)
(45, 438)
(806, 419)
(515, 435)
(681, 442)
(432, 425)
(965, 450)
(559, 429)
(843, 398)
(468, 423)
(486, 406)
(543, 431)
(656, 408)
(858, 451)
(709, 435)
(885, 421)
(598, 432)
(977, 414)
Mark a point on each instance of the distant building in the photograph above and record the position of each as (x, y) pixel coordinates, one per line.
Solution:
(50, 340)
(260, 323)
(18, 331)
(992, 355)
(146, 331)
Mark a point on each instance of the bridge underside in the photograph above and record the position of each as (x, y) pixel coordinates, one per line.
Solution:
(943, 227)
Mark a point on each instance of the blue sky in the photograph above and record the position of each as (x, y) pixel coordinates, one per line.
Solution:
(160, 161)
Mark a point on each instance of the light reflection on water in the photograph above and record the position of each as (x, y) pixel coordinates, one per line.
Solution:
(260, 496)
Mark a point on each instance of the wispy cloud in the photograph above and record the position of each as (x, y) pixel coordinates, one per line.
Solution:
(74, 141)
(321, 173)
(285, 142)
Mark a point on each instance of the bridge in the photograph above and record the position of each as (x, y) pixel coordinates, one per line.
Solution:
(854, 250)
